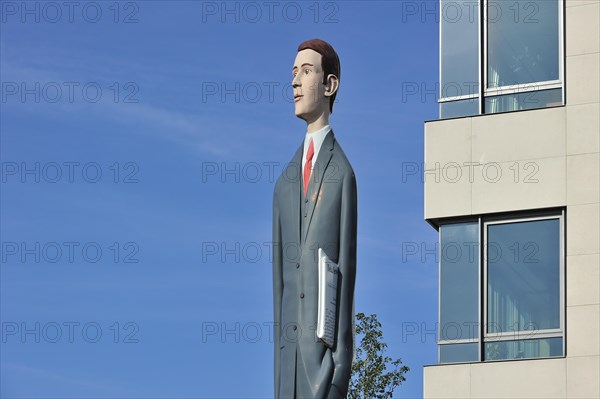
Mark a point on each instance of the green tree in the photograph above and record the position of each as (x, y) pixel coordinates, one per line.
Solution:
(374, 375)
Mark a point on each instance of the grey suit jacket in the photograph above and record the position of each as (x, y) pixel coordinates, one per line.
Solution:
(326, 218)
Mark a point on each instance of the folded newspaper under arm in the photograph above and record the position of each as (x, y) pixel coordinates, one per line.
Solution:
(327, 305)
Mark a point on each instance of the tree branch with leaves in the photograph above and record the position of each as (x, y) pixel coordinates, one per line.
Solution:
(374, 375)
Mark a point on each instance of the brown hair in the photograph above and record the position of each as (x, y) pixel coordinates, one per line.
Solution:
(330, 61)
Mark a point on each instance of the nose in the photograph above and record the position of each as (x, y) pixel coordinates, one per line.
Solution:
(296, 81)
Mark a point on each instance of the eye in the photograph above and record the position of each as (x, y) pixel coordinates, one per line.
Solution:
(306, 71)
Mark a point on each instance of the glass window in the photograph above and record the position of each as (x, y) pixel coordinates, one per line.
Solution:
(523, 101)
(523, 349)
(457, 353)
(459, 48)
(459, 281)
(523, 276)
(522, 42)
(507, 300)
(505, 58)
(454, 109)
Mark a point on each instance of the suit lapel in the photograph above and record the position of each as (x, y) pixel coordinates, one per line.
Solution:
(316, 179)
(294, 176)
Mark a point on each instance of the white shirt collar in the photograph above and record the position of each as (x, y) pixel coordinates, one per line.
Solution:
(318, 138)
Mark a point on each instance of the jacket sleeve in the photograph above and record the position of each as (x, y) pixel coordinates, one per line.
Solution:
(277, 290)
(343, 353)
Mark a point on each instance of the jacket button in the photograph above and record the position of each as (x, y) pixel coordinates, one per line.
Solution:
(297, 265)
(305, 200)
(305, 214)
(302, 295)
(295, 328)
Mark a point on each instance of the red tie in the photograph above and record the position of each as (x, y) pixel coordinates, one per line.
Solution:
(308, 164)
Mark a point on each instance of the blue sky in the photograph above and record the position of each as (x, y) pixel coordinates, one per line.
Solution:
(138, 165)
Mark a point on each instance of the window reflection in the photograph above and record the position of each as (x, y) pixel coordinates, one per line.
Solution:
(454, 109)
(520, 297)
(523, 266)
(515, 46)
(523, 349)
(459, 289)
(522, 42)
(459, 47)
(523, 101)
(455, 353)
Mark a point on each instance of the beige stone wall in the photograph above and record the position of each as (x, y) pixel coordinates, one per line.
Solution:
(583, 198)
(557, 154)
(508, 162)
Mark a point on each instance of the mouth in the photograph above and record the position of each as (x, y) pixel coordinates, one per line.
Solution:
(297, 97)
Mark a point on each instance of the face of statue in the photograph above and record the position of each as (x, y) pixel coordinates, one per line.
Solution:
(311, 96)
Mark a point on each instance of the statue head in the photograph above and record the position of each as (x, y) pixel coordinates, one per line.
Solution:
(316, 74)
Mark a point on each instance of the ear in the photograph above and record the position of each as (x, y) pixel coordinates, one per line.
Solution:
(332, 85)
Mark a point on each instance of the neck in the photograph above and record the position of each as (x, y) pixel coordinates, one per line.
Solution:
(318, 123)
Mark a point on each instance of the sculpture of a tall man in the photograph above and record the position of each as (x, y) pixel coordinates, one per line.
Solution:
(314, 206)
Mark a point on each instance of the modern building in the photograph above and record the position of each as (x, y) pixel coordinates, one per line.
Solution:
(512, 176)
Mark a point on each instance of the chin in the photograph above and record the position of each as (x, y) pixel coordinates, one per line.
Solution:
(303, 117)
(300, 114)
